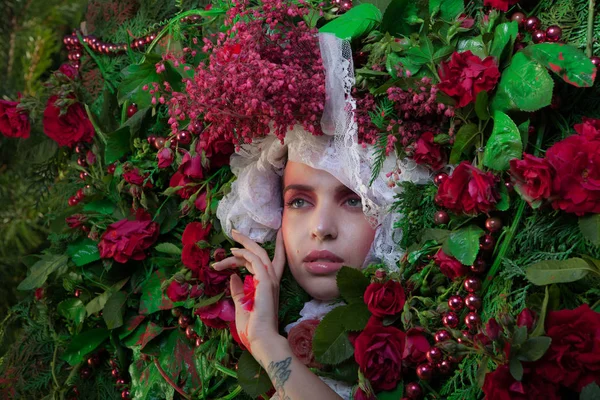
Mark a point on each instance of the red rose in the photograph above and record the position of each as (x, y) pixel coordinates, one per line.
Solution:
(526, 318)
(500, 385)
(385, 298)
(195, 232)
(249, 292)
(300, 339)
(178, 291)
(125, 240)
(217, 151)
(449, 265)
(416, 346)
(76, 220)
(573, 359)
(165, 157)
(70, 128)
(68, 70)
(135, 178)
(468, 190)
(532, 178)
(361, 395)
(427, 152)
(14, 122)
(493, 329)
(178, 179)
(196, 291)
(191, 167)
(215, 282)
(501, 5)
(195, 258)
(217, 315)
(200, 202)
(589, 127)
(465, 21)
(378, 351)
(576, 160)
(465, 75)
(219, 254)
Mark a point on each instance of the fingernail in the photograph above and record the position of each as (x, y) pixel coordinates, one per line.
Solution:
(235, 231)
(234, 249)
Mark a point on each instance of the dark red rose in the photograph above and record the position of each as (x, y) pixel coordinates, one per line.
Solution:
(501, 5)
(14, 122)
(178, 179)
(214, 281)
(573, 359)
(68, 70)
(416, 346)
(196, 291)
(217, 315)
(385, 298)
(576, 160)
(589, 127)
(195, 258)
(200, 202)
(526, 318)
(378, 351)
(191, 167)
(178, 291)
(127, 240)
(427, 152)
(500, 385)
(300, 340)
(76, 220)
(468, 190)
(134, 177)
(362, 395)
(465, 75)
(219, 254)
(449, 265)
(165, 157)
(217, 151)
(68, 129)
(493, 329)
(195, 232)
(532, 178)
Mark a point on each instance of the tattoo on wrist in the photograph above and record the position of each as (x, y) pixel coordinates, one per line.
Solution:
(280, 373)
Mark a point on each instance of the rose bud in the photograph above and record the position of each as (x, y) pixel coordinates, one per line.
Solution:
(526, 318)
(165, 157)
(493, 329)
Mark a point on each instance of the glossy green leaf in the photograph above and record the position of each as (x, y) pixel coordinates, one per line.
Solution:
(330, 343)
(448, 10)
(178, 361)
(504, 202)
(83, 251)
(464, 140)
(97, 303)
(117, 145)
(130, 325)
(153, 299)
(168, 248)
(504, 39)
(83, 344)
(504, 143)
(394, 394)
(354, 23)
(400, 18)
(590, 392)
(558, 271)
(590, 228)
(355, 317)
(474, 44)
(251, 376)
(72, 309)
(463, 244)
(481, 106)
(352, 284)
(143, 335)
(566, 61)
(39, 272)
(102, 206)
(147, 383)
(525, 85)
(114, 309)
(442, 54)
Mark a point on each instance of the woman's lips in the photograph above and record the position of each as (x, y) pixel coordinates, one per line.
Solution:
(323, 267)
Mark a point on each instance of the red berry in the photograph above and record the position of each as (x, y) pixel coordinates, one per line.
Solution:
(115, 372)
(473, 302)
(472, 320)
(81, 161)
(159, 142)
(493, 224)
(538, 36)
(424, 372)
(189, 332)
(595, 60)
(532, 23)
(441, 336)
(439, 179)
(151, 139)
(125, 394)
(85, 373)
(77, 292)
(79, 195)
(434, 355)
(450, 320)
(39, 294)
(131, 110)
(445, 367)
(413, 391)
(519, 17)
(487, 243)
(478, 267)
(441, 218)
(472, 285)
(456, 303)
(184, 321)
(184, 137)
(199, 341)
(111, 169)
(553, 33)
(73, 201)
(83, 175)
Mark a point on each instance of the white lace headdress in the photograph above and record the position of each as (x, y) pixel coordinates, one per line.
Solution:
(254, 205)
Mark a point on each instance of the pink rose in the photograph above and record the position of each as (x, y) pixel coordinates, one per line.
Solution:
(300, 340)
(178, 291)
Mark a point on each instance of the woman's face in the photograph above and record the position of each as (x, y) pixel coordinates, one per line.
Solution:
(324, 228)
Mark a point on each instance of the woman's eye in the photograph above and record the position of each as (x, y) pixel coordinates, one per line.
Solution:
(297, 203)
(354, 202)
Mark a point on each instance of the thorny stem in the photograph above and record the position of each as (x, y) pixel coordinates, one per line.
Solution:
(589, 49)
(170, 381)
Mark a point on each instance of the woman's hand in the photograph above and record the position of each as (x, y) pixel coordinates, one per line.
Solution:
(260, 323)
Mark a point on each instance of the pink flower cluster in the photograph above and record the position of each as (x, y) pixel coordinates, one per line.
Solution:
(264, 74)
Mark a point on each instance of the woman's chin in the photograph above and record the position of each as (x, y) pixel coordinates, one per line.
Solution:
(323, 291)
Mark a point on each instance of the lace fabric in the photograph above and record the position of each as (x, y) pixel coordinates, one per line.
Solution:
(254, 205)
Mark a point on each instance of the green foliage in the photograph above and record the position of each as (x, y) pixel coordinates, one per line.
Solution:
(417, 207)
(354, 23)
(463, 384)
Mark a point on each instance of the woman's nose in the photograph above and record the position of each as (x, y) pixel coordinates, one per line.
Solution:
(324, 224)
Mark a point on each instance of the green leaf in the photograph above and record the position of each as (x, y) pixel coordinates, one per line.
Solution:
(525, 85)
(330, 343)
(558, 271)
(356, 22)
(504, 202)
(391, 62)
(355, 316)
(146, 381)
(519, 335)
(169, 248)
(534, 348)
(395, 394)
(442, 54)
(117, 145)
(97, 303)
(83, 251)
(352, 284)
(72, 309)
(463, 244)
(566, 61)
(448, 9)
(168, 216)
(102, 206)
(540, 329)
(504, 143)
(178, 361)
(590, 228)
(251, 376)
(209, 301)
(463, 142)
(400, 18)
(83, 344)
(114, 309)
(143, 335)
(474, 44)
(524, 131)
(482, 371)
(481, 106)
(504, 38)
(590, 392)
(439, 235)
(39, 272)
(129, 326)
(516, 368)
(153, 299)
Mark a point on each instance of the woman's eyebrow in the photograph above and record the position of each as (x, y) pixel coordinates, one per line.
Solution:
(298, 187)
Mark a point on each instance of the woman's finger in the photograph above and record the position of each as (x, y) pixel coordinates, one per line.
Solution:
(231, 263)
(251, 245)
(279, 257)
(254, 262)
